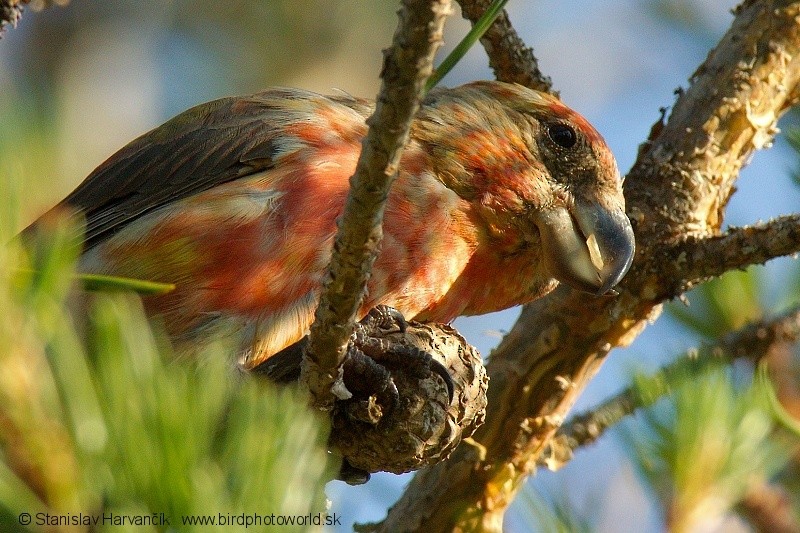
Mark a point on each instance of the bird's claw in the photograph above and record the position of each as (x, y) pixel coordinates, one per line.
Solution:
(370, 352)
(352, 475)
(416, 361)
(368, 381)
(384, 318)
(366, 374)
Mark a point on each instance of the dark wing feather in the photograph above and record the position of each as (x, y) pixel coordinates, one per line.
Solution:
(205, 146)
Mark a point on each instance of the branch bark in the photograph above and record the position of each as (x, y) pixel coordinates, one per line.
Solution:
(678, 187)
(768, 508)
(407, 65)
(510, 59)
(752, 342)
(10, 13)
(11, 10)
(698, 259)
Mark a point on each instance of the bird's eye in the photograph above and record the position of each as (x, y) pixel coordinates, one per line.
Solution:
(562, 135)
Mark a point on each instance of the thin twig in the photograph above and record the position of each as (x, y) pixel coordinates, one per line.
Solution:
(407, 66)
(479, 27)
(10, 13)
(698, 259)
(751, 342)
(509, 58)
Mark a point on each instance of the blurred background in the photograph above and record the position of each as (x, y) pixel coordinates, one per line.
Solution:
(79, 81)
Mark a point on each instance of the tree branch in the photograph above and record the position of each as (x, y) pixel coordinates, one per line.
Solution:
(407, 65)
(768, 508)
(698, 259)
(752, 342)
(509, 58)
(10, 13)
(679, 186)
(11, 10)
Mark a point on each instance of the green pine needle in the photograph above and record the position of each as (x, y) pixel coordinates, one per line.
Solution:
(786, 421)
(98, 418)
(704, 444)
(466, 43)
(102, 283)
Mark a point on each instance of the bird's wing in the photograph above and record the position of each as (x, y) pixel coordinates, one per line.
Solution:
(201, 148)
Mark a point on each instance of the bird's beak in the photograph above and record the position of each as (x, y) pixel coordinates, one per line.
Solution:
(588, 247)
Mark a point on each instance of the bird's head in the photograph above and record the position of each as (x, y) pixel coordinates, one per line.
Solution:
(539, 175)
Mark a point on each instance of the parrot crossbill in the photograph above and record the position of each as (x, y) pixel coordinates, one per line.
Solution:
(501, 193)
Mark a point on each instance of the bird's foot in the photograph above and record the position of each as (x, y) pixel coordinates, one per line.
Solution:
(370, 358)
(352, 475)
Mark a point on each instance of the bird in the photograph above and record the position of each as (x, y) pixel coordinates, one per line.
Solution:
(502, 192)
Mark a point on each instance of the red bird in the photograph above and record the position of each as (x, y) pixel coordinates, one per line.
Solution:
(502, 191)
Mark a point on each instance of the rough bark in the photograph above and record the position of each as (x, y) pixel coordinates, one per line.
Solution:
(697, 259)
(10, 13)
(407, 66)
(510, 59)
(677, 190)
(11, 10)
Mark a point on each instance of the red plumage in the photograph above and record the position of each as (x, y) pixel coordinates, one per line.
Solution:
(501, 192)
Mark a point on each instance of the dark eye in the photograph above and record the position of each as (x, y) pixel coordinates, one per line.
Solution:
(562, 135)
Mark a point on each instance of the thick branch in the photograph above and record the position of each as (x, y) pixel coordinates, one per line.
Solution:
(407, 65)
(684, 177)
(752, 342)
(510, 59)
(560, 341)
